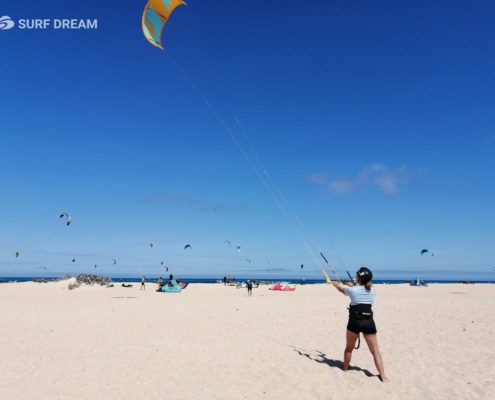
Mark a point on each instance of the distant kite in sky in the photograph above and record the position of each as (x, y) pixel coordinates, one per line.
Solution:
(302, 266)
(247, 259)
(95, 266)
(68, 218)
(114, 262)
(239, 248)
(187, 246)
(151, 245)
(73, 260)
(227, 242)
(424, 251)
(155, 15)
(433, 254)
(161, 263)
(17, 254)
(167, 269)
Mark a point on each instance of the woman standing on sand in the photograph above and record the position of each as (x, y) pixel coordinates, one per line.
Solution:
(361, 318)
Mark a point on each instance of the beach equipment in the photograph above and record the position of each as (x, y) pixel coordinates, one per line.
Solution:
(68, 218)
(417, 282)
(170, 287)
(155, 15)
(278, 287)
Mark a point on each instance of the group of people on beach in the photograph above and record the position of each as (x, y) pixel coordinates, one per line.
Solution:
(231, 280)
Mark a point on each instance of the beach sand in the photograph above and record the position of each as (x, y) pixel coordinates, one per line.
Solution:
(215, 342)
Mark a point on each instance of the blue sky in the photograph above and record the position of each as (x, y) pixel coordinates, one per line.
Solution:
(375, 120)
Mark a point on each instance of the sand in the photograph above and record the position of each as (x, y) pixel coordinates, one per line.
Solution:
(215, 342)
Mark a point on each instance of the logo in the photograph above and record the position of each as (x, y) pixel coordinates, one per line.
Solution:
(6, 23)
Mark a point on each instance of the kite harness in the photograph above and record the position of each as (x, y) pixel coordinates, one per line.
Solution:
(360, 312)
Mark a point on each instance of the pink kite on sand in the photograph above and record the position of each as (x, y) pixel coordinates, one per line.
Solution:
(285, 289)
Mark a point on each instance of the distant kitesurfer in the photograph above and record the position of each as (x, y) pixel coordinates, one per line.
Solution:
(361, 318)
(142, 283)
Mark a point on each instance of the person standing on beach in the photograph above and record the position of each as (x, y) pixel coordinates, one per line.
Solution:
(361, 318)
(249, 286)
(225, 280)
(142, 283)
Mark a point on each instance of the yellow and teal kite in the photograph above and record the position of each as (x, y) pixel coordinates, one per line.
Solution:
(155, 16)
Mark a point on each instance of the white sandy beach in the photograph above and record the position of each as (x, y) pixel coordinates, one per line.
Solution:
(215, 342)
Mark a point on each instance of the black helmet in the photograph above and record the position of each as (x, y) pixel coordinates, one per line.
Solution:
(364, 275)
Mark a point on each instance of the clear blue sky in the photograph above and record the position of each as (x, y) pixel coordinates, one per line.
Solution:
(376, 120)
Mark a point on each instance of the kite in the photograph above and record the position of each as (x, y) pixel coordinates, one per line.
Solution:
(302, 266)
(17, 254)
(151, 245)
(68, 218)
(73, 260)
(167, 269)
(239, 248)
(161, 263)
(95, 266)
(424, 251)
(433, 254)
(187, 246)
(227, 242)
(247, 259)
(114, 262)
(155, 15)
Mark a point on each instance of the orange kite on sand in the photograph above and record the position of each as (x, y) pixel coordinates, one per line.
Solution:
(285, 289)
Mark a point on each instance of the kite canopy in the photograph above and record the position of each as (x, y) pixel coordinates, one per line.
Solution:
(114, 262)
(424, 251)
(151, 245)
(73, 260)
(155, 16)
(187, 246)
(239, 248)
(302, 266)
(227, 242)
(17, 254)
(247, 259)
(68, 218)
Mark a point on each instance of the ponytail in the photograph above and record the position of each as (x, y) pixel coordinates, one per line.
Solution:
(368, 286)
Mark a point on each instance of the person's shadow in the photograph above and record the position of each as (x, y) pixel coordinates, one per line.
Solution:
(322, 358)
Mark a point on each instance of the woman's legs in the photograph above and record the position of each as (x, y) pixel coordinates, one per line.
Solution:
(373, 346)
(351, 342)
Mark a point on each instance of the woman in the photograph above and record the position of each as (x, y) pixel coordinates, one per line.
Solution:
(361, 318)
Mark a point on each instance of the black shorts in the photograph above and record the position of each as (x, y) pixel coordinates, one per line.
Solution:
(357, 326)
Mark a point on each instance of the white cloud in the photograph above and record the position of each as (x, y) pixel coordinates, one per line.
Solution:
(378, 176)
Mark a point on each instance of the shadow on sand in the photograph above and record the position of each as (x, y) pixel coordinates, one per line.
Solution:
(322, 359)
